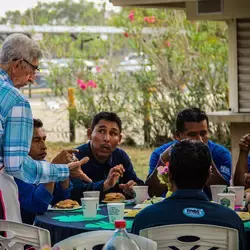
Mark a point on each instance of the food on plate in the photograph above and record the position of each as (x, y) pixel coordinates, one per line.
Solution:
(244, 215)
(131, 212)
(66, 204)
(153, 200)
(114, 197)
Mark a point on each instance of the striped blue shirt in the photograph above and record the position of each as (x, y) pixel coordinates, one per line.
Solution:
(16, 130)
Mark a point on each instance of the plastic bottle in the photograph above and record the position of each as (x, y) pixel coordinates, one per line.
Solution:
(120, 239)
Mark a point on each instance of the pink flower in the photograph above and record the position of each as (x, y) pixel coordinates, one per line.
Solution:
(83, 86)
(131, 16)
(167, 43)
(150, 19)
(98, 69)
(126, 34)
(79, 81)
(92, 84)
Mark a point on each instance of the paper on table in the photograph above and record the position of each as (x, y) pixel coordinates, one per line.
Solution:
(141, 206)
(77, 218)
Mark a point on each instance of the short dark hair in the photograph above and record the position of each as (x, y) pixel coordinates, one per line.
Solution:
(37, 123)
(189, 164)
(190, 115)
(108, 116)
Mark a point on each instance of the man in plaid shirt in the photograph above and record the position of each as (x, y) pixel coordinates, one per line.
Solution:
(19, 59)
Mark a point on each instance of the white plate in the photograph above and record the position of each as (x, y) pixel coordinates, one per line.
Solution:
(121, 201)
(50, 208)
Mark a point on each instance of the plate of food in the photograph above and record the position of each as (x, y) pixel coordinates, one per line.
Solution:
(66, 205)
(244, 215)
(116, 198)
(131, 213)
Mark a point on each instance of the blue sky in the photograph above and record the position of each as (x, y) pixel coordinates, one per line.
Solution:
(25, 4)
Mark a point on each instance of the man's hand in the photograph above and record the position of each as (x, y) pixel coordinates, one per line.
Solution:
(114, 174)
(245, 143)
(128, 187)
(65, 157)
(247, 180)
(165, 156)
(76, 170)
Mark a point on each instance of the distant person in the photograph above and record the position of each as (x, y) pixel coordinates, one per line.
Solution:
(242, 171)
(19, 62)
(109, 167)
(190, 168)
(191, 124)
(35, 199)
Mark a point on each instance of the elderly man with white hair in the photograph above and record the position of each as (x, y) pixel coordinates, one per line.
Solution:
(19, 62)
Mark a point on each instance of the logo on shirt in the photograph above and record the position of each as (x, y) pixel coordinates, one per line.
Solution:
(193, 212)
(225, 170)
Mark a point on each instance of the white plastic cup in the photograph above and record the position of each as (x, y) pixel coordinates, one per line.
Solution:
(90, 206)
(141, 193)
(115, 211)
(227, 199)
(95, 194)
(215, 190)
(239, 191)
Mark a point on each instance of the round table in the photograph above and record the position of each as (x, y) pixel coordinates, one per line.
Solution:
(60, 230)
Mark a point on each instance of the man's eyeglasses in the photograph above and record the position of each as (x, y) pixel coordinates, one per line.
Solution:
(35, 68)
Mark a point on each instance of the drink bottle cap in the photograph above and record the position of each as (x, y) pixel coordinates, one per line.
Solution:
(120, 224)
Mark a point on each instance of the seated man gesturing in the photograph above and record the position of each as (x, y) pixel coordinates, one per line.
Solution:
(35, 199)
(109, 167)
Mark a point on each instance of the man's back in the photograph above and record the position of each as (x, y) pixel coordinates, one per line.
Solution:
(188, 206)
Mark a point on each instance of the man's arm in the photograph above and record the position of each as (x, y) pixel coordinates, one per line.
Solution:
(216, 177)
(242, 163)
(155, 188)
(16, 145)
(34, 199)
(221, 167)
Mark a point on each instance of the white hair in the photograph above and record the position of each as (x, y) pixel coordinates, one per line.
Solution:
(17, 46)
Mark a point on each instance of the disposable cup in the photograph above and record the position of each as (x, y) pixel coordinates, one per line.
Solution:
(141, 193)
(239, 191)
(115, 211)
(227, 199)
(215, 190)
(95, 194)
(89, 206)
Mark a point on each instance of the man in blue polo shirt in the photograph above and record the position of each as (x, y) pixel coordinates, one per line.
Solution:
(109, 167)
(191, 124)
(189, 170)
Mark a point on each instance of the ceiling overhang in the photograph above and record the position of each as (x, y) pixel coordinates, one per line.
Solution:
(176, 4)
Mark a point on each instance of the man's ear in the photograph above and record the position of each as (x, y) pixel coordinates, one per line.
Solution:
(210, 171)
(89, 133)
(16, 65)
(177, 135)
(120, 139)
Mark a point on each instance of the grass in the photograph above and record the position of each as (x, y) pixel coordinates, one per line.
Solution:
(139, 156)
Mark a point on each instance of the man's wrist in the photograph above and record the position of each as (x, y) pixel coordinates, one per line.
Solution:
(106, 186)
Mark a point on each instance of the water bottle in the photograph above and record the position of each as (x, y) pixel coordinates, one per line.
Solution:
(120, 239)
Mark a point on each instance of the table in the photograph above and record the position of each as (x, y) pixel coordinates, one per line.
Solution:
(60, 229)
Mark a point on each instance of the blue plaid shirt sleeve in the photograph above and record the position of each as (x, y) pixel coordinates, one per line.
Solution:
(18, 132)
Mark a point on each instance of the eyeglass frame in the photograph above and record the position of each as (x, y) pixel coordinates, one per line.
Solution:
(30, 64)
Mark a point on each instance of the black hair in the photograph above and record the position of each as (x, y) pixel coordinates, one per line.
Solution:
(37, 123)
(189, 164)
(190, 115)
(108, 116)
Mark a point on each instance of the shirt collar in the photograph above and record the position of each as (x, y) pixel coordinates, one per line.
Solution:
(5, 77)
(109, 160)
(195, 194)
